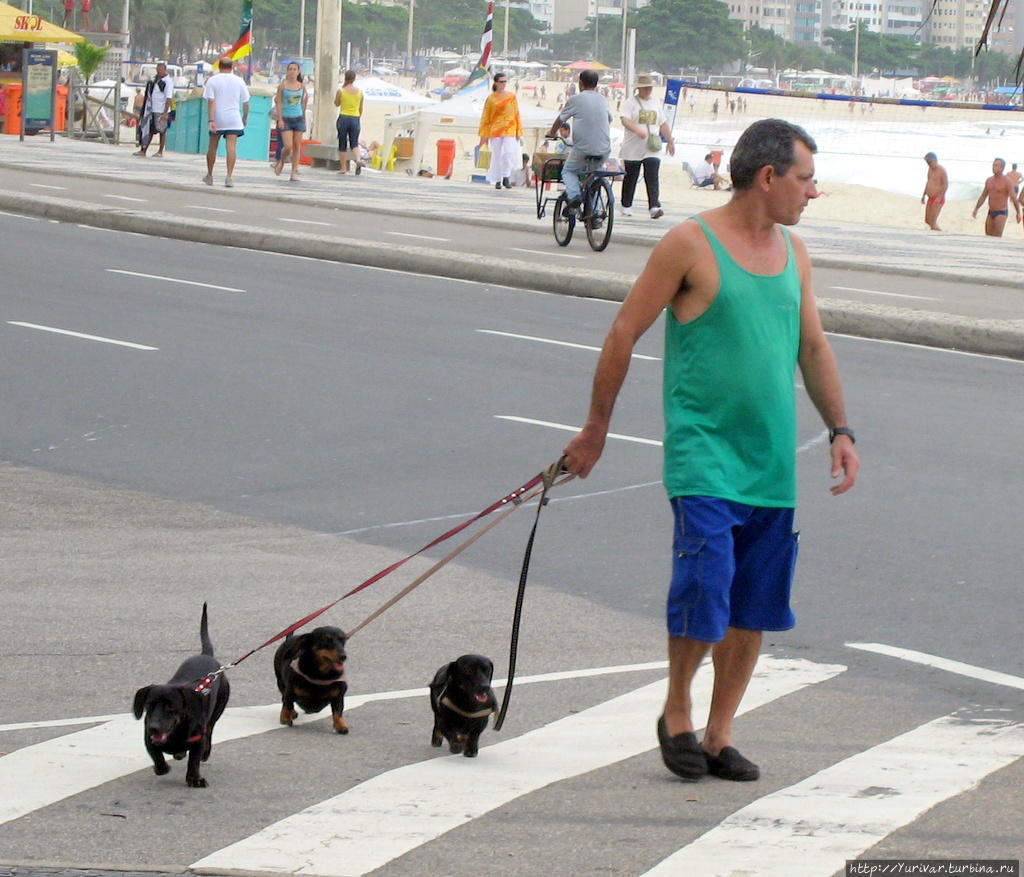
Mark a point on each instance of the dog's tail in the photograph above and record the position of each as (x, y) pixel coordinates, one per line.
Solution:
(204, 635)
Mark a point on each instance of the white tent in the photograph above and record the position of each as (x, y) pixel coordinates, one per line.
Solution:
(377, 91)
(460, 115)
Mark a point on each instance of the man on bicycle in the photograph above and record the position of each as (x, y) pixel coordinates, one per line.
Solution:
(591, 135)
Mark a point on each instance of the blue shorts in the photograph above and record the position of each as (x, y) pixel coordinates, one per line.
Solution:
(293, 123)
(732, 567)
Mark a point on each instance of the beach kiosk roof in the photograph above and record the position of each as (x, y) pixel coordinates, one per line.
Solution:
(587, 65)
(17, 26)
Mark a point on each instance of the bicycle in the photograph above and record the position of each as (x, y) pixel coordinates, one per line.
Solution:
(596, 212)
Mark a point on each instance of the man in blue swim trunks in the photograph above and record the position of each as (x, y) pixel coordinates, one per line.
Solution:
(999, 191)
(735, 287)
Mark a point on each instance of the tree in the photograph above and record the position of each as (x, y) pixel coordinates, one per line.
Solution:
(89, 58)
(673, 34)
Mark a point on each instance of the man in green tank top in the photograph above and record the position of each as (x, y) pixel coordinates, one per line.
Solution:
(740, 318)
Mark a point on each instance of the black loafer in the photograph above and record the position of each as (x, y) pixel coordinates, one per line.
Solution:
(682, 754)
(730, 765)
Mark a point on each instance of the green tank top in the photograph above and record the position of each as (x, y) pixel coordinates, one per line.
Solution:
(729, 388)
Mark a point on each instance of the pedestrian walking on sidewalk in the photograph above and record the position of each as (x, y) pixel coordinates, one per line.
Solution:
(735, 289)
(501, 126)
(227, 107)
(645, 133)
(290, 102)
(349, 101)
(155, 114)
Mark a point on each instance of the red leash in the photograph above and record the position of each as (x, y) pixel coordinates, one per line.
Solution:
(515, 497)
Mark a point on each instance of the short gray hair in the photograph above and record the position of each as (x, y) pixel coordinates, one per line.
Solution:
(767, 142)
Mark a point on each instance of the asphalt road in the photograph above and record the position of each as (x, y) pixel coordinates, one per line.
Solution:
(284, 428)
(535, 245)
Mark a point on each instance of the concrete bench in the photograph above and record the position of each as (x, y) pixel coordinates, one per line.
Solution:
(322, 156)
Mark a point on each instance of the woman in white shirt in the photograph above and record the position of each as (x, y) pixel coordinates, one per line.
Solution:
(646, 134)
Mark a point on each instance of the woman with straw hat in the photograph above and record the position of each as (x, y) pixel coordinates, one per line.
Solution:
(646, 133)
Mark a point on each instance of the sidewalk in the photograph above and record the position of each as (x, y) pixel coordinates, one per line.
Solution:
(916, 253)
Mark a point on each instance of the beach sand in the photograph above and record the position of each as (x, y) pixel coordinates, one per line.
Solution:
(843, 202)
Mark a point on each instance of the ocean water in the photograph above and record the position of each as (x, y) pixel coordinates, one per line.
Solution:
(883, 149)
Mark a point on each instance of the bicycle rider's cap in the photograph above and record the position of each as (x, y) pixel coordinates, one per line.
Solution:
(643, 81)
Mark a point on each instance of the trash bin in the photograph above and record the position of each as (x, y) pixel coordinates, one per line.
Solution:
(445, 158)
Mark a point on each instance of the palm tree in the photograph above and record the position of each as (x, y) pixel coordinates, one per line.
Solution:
(89, 58)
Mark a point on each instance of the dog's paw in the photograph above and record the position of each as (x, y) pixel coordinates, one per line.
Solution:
(196, 782)
(340, 725)
(436, 740)
(161, 769)
(455, 747)
(470, 752)
(288, 716)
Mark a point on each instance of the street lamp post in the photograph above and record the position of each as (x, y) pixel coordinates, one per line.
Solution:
(408, 38)
(856, 45)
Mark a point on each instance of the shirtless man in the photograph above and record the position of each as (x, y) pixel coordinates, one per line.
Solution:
(998, 189)
(934, 191)
(1015, 176)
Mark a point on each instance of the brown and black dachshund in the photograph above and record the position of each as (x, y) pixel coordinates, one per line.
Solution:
(310, 672)
(181, 714)
(462, 699)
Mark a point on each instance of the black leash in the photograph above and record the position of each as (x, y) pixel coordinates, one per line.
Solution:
(550, 479)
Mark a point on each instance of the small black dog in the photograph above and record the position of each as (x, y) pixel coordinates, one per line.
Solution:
(181, 714)
(462, 699)
(310, 672)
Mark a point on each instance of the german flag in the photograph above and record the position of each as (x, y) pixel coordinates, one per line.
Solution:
(243, 45)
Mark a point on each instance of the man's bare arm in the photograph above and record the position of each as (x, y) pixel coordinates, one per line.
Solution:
(821, 377)
(652, 292)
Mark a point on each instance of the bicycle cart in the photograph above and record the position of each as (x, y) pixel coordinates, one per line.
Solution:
(596, 212)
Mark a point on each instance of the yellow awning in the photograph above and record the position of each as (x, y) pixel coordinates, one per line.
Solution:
(18, 26)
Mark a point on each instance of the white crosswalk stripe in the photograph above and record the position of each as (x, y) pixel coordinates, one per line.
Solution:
(812, 828)
(377, 821)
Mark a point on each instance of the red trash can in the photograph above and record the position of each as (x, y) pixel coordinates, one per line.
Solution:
(445, 158)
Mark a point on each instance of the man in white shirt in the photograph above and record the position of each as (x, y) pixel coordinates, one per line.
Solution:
(706, 176)
(156, 110)
(227, 103)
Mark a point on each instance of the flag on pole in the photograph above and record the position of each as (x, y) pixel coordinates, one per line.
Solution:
(487, 37)
(243, 45)
(480, 71)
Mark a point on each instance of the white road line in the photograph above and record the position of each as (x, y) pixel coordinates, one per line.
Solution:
(560, 343)
(126, 198)
(373, 823)
(547, 253)
(879, 292)
(307, 221)
(812, 828)
(20, 216)
(81, 760)
(993, 676)
(212, 209)
(82, 335)
(44, 186)
(174, 280)
(567, 428)
(421, 237)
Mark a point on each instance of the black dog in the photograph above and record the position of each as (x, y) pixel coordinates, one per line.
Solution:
(181, 714)
(310, 672)
(462, 699)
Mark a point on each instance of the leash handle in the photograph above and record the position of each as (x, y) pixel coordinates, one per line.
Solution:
(549, 478)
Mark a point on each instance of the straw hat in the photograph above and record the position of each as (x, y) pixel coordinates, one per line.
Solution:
(643, 81)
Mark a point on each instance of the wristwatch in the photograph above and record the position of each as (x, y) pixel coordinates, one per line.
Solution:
(841, 430)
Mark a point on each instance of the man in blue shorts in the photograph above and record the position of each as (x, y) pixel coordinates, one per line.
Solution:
(740, 317)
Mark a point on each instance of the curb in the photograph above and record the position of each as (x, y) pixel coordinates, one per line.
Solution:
(947, 331)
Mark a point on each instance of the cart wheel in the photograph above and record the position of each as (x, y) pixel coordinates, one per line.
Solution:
(564, 222)
(600, 214)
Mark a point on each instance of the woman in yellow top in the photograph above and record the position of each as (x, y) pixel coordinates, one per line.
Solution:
(500, 124)
(349, 101)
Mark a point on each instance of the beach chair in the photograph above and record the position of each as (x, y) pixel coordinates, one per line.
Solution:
(689, 172)
(378, 160)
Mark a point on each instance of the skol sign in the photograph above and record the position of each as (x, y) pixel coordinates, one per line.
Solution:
(27, 23)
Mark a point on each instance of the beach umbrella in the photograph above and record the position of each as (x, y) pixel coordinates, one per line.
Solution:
(377, 91)
(587, 65)
(16, 26)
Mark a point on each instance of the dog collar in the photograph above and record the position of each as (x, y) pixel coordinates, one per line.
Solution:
(339, 678)
(479, 714)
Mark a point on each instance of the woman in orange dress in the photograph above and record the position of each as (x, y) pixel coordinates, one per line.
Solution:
(501, 126)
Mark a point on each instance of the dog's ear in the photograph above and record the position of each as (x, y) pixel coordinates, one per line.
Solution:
(141, 696)
(490, 669)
